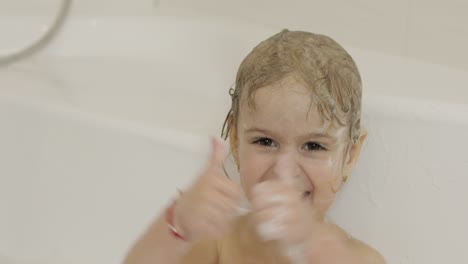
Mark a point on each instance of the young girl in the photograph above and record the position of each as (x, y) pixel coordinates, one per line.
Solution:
(294, 132)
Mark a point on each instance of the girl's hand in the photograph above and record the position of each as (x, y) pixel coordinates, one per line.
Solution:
(282, 213)
(208, 208)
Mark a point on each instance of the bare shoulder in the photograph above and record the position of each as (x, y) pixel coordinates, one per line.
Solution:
(204, 252)
(364, 251)
(368, 253)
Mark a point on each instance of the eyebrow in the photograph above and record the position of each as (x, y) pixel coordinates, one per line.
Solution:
(309, 135)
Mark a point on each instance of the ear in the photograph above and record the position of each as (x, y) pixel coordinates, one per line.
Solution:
(353, 154)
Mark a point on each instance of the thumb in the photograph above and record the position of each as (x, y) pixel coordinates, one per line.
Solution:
(286, 170)
(218, 152)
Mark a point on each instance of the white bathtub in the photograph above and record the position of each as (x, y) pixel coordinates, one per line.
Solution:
(98, 131)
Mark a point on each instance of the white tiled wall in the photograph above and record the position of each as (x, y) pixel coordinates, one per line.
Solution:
(430, 30)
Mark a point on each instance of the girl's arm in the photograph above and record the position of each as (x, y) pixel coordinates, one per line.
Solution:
(158, 245)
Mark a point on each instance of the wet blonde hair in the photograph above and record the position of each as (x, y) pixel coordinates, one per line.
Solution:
(318, 61)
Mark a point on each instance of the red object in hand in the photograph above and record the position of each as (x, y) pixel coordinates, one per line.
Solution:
(170, 221)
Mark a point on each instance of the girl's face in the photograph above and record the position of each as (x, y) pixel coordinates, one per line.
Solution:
(284, 137)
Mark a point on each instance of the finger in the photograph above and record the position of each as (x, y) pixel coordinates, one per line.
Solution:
(229, 189)
(228, 197)
(268, 194)
(270, 225)
(224, 205)
(280, 214)
(218, 151)
(286, 170)
(269, 202)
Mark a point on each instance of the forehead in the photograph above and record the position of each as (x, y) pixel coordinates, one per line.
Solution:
(285, 105)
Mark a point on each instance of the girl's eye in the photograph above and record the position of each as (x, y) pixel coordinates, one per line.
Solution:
(266, 142)
(313, 146)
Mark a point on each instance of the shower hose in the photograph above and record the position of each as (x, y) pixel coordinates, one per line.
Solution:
(43, 41)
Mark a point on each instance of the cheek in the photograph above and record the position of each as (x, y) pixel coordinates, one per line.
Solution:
(322, 171)
(323, 174)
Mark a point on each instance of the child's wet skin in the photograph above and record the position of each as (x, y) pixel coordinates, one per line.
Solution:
(283, 137)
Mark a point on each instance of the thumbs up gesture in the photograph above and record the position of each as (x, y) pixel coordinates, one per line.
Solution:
(280, 211)
(208, 208)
